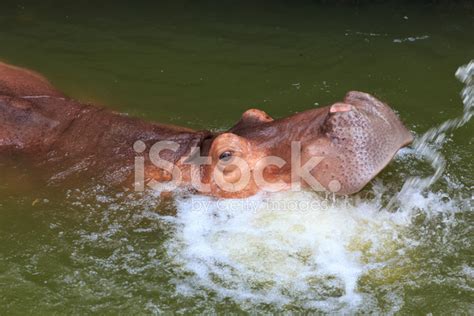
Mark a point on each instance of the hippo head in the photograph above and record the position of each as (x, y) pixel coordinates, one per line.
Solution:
(338, 148)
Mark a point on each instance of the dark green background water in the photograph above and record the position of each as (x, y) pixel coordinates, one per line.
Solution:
(201, 64)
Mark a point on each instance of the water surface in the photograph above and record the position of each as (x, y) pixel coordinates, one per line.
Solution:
(399, 245)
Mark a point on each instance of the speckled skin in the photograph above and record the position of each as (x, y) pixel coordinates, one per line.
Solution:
(356, 142)
(356, 138)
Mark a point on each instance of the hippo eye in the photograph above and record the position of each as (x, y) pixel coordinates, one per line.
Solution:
(225, 156)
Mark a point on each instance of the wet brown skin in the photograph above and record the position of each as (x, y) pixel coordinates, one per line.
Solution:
(356, 140)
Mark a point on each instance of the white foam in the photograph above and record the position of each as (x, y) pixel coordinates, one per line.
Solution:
(311, 256)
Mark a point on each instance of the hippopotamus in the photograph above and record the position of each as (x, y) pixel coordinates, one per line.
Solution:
(339, 147)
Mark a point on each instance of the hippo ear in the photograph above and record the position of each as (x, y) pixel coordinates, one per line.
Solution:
(252, 117)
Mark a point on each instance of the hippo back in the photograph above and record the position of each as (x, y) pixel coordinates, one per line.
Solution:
(31, 125)
(15, 81)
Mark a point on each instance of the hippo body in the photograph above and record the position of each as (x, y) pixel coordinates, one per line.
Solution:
(355, 139)
(72, 139)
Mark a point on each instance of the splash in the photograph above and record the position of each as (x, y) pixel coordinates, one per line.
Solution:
(303, 250)
(429, 145)
(293, 248)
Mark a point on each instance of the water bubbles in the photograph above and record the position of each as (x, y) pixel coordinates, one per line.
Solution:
(411, 39)
(309, 257)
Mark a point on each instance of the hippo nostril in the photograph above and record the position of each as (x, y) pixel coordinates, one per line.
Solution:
(361, 99)
(340, 107)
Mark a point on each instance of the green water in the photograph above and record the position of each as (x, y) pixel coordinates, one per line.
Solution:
(202, 65)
